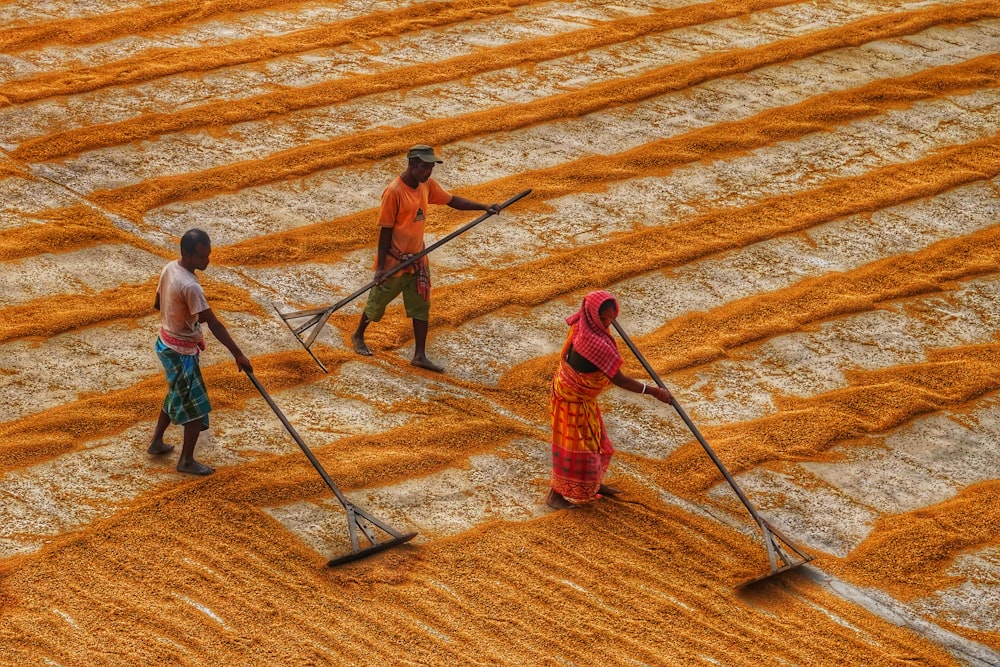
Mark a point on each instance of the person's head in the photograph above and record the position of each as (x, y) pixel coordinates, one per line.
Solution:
(195, 249)
(600, 308)
(608, 311)
(420, 161)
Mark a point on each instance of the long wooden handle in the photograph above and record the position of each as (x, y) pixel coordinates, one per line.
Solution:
(328, 310)
(694, 429)
(298, 439)
(321, 315)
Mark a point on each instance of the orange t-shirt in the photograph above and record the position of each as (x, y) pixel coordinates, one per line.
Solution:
(404, 209)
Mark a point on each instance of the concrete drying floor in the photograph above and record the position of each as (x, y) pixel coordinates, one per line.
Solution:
(796, 203)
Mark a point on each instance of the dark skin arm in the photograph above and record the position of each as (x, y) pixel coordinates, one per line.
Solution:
(463, 204)
(384, 243)
(631, 384)
(620, 379)
(219, 331)
(385, 233)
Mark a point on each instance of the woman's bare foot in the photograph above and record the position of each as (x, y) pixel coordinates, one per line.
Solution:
(608, 490)
(556, 501)
(424, 362)
(360, 346)
(158, 447)
(194, 468)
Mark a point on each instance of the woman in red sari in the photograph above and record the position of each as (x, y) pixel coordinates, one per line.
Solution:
(581, 450)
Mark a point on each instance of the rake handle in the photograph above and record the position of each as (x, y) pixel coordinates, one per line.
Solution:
(694, 429)
(461, 230)
(353, 511)
(326, 312)
(298, 439)
(321, 315)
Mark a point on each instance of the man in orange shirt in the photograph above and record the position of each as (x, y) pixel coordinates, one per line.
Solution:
(401, 219)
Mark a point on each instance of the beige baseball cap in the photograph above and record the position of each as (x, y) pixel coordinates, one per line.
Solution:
(423, 152)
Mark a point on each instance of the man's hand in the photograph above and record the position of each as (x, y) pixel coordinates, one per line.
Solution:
(243, 363)
(662, 394)
(380, 276)
(494, 209)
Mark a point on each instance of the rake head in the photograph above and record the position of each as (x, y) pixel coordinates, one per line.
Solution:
(778, 557)
(358, 554)
(286, 317)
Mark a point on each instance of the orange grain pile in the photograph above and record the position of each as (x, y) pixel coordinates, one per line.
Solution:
(63, 230)
(57, 431)
(690, 341)
(8, 169)
(47, 316)
(196, 572)
(327, 241)
(873, 402)
(107, 26)
(910, 554)
(600, 584)
(329, 93)
(627, 255)
(132, 201)
(166, 62)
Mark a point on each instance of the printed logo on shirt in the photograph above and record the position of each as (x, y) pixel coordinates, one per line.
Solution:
(419, 216)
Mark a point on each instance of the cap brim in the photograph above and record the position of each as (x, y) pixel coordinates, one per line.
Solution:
(431, 158)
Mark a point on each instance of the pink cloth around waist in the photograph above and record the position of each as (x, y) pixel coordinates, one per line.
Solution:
(180, 345)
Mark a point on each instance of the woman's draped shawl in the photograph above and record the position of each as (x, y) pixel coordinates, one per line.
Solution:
(591, 339)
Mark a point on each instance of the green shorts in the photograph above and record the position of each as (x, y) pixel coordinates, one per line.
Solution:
(380, 296)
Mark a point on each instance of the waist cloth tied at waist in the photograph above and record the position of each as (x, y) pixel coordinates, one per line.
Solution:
(180, 345)
(421, 270)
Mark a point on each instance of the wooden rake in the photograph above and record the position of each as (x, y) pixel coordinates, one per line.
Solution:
(316, 318)
(355, 514)
(779, 558)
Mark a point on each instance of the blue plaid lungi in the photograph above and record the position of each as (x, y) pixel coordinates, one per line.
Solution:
(187, 398)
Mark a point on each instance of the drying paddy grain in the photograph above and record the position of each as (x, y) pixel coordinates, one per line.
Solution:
(796, 203)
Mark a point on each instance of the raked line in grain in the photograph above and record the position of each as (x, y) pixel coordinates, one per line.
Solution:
(132, 201)
(128, 22)
(194, 59)
(274, 104)
(629, 255)
(328, 241)
(875, 401)
(701, 338)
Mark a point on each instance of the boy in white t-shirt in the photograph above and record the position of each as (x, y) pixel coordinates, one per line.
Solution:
(183, 308)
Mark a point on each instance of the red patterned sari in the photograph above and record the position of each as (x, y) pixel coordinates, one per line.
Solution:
(581, 450)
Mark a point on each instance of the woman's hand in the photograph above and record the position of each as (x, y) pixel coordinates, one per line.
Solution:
(661, 394)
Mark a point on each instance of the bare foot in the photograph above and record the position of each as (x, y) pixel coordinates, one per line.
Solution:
(194, 468)
(424, 362)
(360, 347)
(158, 447)
(609, 490)
(556, 501)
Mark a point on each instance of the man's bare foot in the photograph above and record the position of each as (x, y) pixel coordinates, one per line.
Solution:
(194, 468)
(424, 362)
(608, 490)
(556, 501)
(359, 345)
(158, 447)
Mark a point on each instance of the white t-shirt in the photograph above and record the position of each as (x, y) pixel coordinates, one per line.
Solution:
(181, 299)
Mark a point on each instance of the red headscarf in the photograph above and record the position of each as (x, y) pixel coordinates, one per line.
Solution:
(591, 339)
